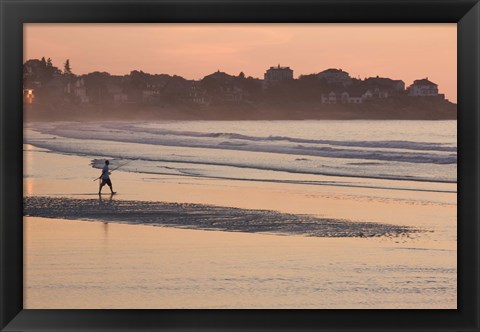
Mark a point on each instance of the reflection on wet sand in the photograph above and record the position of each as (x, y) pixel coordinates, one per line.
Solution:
(78, 264)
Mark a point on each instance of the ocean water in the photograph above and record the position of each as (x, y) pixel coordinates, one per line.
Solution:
(422, 155)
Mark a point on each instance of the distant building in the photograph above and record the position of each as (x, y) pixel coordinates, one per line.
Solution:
(120, 98)
(198, 95)
(359, 95)
(78, 89)
(221, 87)
(335, 77)
(356, 95)
(275, 75)
(423, 88)
(232, 94)
(383, 87)
(215, 83)
(176, 87)
(116, 93)
(335, 97)
(150, 94)
(220, 76)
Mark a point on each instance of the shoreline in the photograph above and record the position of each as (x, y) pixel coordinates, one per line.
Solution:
(395, 108)
(174, 115)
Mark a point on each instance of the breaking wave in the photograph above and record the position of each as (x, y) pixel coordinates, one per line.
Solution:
(257, 148)
(370, 150)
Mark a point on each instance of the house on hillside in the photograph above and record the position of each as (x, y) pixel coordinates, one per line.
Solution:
(423, 88)
(176, 87)
(149, 95)
(116, 93)
(120, 98)
(198, 95)
(383, 87)
(216, 82)
(222, 87)
(78, 89)
(356, 95)
(220, 76)
(359, 95)
(151, 92)
(335, 77)
(335, 97)
(232, 94)
(276, 75)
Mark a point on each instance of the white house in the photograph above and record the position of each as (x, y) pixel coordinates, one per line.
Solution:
(423, 88)
(359, 95)
(335, 97)
(351, 96)
(232, 93)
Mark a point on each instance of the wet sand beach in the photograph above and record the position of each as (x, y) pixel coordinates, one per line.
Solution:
(78, 264)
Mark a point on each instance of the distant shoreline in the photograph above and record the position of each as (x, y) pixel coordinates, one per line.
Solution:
(418, 109)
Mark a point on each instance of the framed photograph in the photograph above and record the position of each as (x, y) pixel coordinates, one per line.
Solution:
(265, 165)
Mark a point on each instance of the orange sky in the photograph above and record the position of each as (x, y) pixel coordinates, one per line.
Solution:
(398, 51)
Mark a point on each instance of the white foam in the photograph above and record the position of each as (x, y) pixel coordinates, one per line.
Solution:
(205, 152)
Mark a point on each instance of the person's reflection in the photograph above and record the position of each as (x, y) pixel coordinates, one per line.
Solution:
(105, 231)
(105, 203)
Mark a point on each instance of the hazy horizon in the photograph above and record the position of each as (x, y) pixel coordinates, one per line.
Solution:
(399, 51)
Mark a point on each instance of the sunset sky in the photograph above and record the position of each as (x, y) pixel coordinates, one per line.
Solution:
(398, 51)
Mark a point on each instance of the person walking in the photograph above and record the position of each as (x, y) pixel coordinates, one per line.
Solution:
(105, 178)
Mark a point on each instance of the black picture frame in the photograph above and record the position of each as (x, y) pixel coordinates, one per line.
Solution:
(466, 13)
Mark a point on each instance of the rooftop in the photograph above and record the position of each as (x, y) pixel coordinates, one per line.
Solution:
(381, 80)
(424, 81)
(279, 67)
(333, 70)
